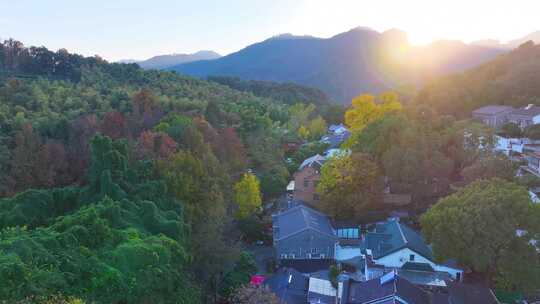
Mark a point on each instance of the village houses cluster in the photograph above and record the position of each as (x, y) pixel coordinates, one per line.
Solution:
(523, 150)
(385, 262)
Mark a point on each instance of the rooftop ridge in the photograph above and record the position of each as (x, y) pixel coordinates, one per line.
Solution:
(305, 217)
(401, 232)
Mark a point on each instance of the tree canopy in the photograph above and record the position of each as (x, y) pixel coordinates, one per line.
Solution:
(488, 226)
(117, 183)
(349, 185)
(367, 108)
(247, 195)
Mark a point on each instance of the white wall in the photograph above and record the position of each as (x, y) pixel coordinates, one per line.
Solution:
(400, 257)
(534, 198)
(536, 119)
(506, 145)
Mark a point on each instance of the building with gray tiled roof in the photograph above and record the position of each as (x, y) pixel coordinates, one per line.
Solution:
(493, 115)
(393, 245)
(496, 116)
(388, 289)
(303, 233)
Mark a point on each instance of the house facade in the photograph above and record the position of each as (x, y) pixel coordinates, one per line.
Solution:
(303, 233)
(494, 115)
(307, 178)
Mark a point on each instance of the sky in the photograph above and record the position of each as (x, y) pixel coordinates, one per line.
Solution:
(137, 29)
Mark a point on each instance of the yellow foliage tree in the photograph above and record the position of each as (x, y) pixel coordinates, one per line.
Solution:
(367, 108)
(303, 132)
(247, 195)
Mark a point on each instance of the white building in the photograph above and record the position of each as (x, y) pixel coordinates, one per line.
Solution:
(394, 245)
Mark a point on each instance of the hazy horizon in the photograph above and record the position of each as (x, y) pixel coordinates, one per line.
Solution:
(135, 30)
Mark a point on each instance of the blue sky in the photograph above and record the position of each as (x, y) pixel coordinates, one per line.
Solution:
(120, 29)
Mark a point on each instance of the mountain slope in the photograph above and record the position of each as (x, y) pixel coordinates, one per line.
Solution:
(165, 61)
(342, 66)
(512, 79)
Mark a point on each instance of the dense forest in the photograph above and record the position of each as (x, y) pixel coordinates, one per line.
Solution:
(120, 185)
(510, 79)
(288, 93)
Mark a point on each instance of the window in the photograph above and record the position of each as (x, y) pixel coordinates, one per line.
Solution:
(313, 250)
(411, 257)
(306, 183)
(315, 197)
(348, 233)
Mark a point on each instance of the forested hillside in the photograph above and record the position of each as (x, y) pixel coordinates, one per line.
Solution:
(117, 184)
(288, 93)
(510, 79)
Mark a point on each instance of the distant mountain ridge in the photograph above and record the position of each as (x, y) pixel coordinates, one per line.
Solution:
(510, 45)
(345, 65)
(166, 61)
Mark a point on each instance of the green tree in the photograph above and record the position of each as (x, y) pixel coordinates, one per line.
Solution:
(490, 166)
(334, 114)
(247, 195)
(532, 132)
(299, 115)
(240, 275)
(511, 130)
(349, 186)
(478, 226)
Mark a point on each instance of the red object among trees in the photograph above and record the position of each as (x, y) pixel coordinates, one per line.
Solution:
(257, 280)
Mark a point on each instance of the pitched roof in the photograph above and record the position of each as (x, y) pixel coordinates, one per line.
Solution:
(493, 109)
(289, 285)
(417, 266)
(310, 266)
(392, 236)
(321, 291)
(460, 293)
(335, 140)
(298, 219)
(356, 292)
(315, 159)
(425, 278)
(335, 127)
(530, 110)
